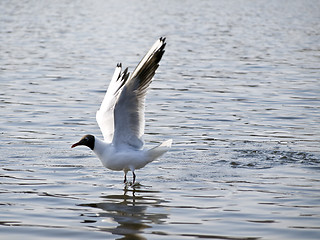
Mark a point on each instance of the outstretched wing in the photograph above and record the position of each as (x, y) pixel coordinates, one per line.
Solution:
(129, 107)
(105, 115)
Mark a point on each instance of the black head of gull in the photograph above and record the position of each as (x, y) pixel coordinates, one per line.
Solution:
(87, 140)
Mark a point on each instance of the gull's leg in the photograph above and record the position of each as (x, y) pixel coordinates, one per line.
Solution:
(134, 177)
(125, 177)
(133, 174)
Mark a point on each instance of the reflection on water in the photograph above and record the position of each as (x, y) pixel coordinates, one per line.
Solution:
(127, 212)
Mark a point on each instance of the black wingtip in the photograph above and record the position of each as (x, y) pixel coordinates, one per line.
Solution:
(125, 71)
(119, 65)
(162, 39)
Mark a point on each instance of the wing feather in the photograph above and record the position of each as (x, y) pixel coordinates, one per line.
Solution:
(130, 105)
(105, 115)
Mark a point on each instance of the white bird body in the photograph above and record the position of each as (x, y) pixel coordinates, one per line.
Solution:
(127, 159)
(121, 117)
(119, 159)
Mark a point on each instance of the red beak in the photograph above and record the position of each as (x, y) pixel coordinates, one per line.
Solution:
(74, 145)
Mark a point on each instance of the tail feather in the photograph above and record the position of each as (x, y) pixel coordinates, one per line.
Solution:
(159, 150)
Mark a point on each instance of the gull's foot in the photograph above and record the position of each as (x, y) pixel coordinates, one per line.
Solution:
(127, 184)
(131, 184)
(136, 184)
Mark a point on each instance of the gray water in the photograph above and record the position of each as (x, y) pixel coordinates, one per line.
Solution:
(238, 91)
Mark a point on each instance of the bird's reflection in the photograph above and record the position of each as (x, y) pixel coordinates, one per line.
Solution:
(131, 210)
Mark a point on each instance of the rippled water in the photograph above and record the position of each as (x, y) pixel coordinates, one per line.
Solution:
(238, 91)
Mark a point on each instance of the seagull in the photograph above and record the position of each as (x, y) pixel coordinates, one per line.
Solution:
(121, 118)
